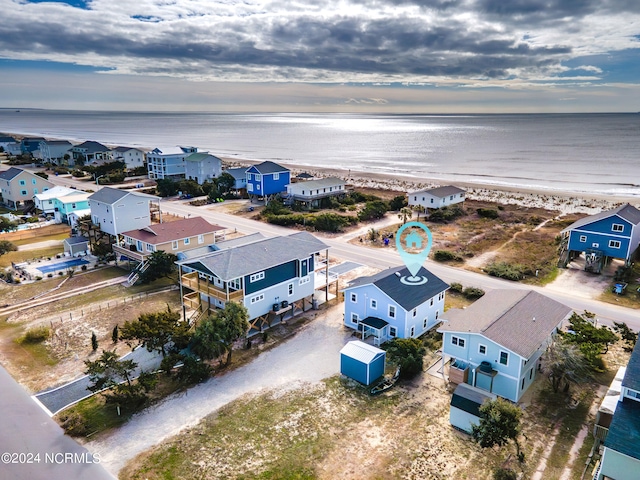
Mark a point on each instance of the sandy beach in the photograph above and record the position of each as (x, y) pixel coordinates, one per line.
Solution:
(564, 202)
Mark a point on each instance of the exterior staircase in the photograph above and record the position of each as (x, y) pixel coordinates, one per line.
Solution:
(135, 274)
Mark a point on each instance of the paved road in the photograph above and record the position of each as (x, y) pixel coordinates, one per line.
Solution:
(59, 398)
(26, 429)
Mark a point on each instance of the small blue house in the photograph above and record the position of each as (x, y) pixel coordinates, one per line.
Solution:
(362, 362)
(385, 308)
(611, 234)
(497, 342)
(267, 179)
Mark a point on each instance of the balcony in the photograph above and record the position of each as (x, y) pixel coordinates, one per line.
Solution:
(193, 282)
(122, 250)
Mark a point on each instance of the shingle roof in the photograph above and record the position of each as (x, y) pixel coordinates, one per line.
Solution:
(237, 173)
(168, 151)
(244, 260)
(57, 142)
(320, 183)
(441, 191)
(169, 231)
(632, 376)
(268, 167)
(7, 139)
(624, 431)
(78, 196)
(112, 195)
(199, 157)
(75, 240)
(93, 147)
(408, 297)
(124, 149)
(11, 173)
(55, 192)
(627, 212)
(520, 320)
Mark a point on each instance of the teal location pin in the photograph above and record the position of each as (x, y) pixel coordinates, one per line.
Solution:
(414, 241)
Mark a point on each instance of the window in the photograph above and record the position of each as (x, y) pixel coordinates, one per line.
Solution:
(392, 332)
(412, 331)
(424, 322)
(414, 312)
(304, 280)
(373, 304)
(200, 238)
(249, 176)
(256, 276)
(392, 311)
(482, 349)
(354, 318)
(174, 244)
(354, 298)
(415, 199)
(504, 358)
(22, 183)
(437, 314)
(522, 385)
(139, 245)
(614, 243)
(149, 247)
(276, 176)
(595, 245)
(290, 288)
(583, 238)
(257, 186)
(617, 227)
(187, 241)
(457, 341)
(431, 303)
(633, 394)
(35, 191)
(257, 298)
(432, 200)
(258, 177)
(530, 373)
(35, 182)
(249, 187)
(23, 192)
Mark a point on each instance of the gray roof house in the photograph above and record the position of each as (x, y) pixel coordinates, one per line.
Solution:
(311, 192)
(91, 151)
(258, 274)
(116, 211)
(499, 339)
(436, 197)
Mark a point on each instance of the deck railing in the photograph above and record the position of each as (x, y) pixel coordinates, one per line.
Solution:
(193, 282)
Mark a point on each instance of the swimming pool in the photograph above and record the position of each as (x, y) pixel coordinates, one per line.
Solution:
(62, 265)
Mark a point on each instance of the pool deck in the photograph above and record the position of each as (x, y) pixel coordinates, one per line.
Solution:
(31, 269)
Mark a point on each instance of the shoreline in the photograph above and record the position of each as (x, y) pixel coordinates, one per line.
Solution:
(564, 201)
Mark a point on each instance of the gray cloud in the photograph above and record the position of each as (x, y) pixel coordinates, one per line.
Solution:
(377, 40)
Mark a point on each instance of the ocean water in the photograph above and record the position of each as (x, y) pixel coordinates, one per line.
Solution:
(595, 153)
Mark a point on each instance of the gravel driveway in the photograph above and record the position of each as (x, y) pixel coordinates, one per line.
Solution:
(309, 356)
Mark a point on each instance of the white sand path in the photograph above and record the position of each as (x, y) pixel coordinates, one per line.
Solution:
(309, 356)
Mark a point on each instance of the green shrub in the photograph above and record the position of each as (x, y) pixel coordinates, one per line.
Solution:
(397, 203)
(472, 293)
(504, 474)
(447, 256)
(373, 210)
(35, 335)
(456, 287)
(74, 424)
(330, 222)
(488, 212)
(78, 173)
(506, 270)
(446, 214)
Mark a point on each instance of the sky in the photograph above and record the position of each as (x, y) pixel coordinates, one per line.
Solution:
(388, 56)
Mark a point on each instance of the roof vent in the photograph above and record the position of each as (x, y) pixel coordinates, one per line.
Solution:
(398, 274)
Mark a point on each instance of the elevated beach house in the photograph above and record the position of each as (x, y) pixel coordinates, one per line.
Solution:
(240, 177)
(267, 179)
(45, 201)
(168, 162)
(5, 141)
(18, 187)
(65, 205)
(171, 237)
(116, 211)
(312, 191)
(269, 276)
(621, 452)
(436, 197)
(202, 167)
(132, 157)
(496, 343)
(89, 152)
(30, 145)
(384, 307)
(54, 151)
(611, 234)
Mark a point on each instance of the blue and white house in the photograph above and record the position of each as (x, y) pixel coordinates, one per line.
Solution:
(240, 177)
(269, 276)
(202, 167)
(267, 179)
(496, 343)
(382, 306)
(168, 162)
(621, 452)
(611, 234)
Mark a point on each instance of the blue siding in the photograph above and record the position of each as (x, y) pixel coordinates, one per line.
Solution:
(272, 276)
(601, 232)
(357, 370)
(271, 186)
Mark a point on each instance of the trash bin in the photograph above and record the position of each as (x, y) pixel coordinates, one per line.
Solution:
(314, 304)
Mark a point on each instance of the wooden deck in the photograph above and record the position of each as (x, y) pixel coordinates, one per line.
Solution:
(193, 282)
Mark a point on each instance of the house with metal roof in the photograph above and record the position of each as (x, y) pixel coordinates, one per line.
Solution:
(18, 187)
(168, 162)
(499, 339)
(116, 211)
(267, 179)
(270, 276)
(202, 167)
(362, 362)
(610, 234)
(45, 201)
(621, 451)
(67, 204)
(436, 197)
(311, 192)
(384, 307)
(132, 157)
(90, 151)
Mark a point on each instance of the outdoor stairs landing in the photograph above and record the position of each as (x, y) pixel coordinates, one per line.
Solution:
(135, 274)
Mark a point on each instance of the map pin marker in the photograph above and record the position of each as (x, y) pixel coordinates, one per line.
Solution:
(415, 241)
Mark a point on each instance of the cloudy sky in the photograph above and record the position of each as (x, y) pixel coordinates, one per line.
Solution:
(426, 56)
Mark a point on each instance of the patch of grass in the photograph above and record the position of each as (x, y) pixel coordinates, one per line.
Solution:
(24, 255)
(92, 415)
(35, 335)
(29, 241)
